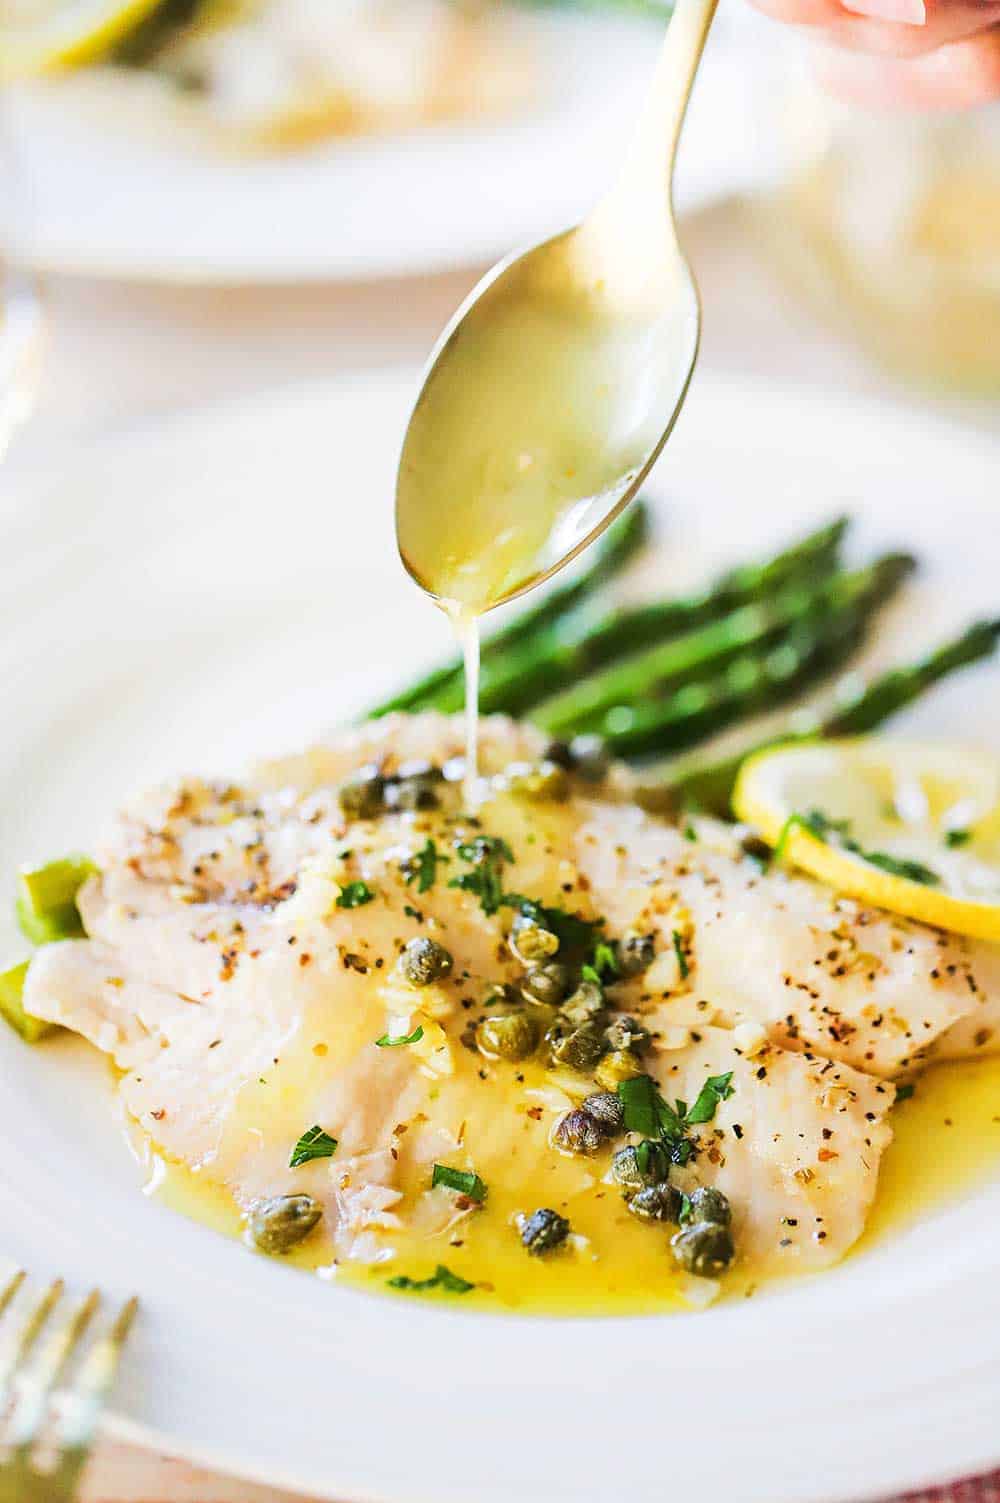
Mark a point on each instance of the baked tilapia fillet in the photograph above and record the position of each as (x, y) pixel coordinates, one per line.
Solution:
(575, 1007)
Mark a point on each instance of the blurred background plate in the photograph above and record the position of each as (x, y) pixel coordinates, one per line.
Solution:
(113, 200)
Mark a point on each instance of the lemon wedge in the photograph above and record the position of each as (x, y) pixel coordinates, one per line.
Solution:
(37, 36)
(910, 827)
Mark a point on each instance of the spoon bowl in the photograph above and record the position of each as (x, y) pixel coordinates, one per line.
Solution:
(556, 384)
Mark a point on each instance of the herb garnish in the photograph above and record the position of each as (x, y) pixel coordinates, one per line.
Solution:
(422, 866)
(820, 825)
(388, 1041)
(355, 895)
(605, 960)
(647, 1113)
(442, 1278)
(313, 1144)
(572, 931)
(716, 1088)
(957, 837)
(904, 1092)
(486, 855)
(913, 871)
(682, 960)
(465, 1181)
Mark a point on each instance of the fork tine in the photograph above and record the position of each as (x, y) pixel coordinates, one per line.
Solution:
(10, 1288)
(32, 1406)
(21, 1348)
(84, 1400)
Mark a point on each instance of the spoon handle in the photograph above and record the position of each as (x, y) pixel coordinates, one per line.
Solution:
(653, 149)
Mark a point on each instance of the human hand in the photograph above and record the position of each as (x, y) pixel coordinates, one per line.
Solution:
(928, 54)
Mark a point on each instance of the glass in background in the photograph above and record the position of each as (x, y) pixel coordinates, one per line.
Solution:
(21, 318)
(891, 224)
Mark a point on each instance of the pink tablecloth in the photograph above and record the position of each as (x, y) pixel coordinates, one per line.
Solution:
(122, 1474)
(975, 1490)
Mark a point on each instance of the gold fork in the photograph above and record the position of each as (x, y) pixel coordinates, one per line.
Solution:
(43, 1447)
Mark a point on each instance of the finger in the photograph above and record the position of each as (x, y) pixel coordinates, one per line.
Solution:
(960, 76)
(947, 21)
(888, 28)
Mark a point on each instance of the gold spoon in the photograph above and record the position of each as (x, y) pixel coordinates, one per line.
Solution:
(554, 388)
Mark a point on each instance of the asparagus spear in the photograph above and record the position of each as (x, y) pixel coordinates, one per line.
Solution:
(660, 671)
(12, 1006)
(709, 785)
(744, 687)
(515, 680)
(616, 548)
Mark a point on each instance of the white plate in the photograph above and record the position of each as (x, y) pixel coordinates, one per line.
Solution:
(190, 594)
(128, 202)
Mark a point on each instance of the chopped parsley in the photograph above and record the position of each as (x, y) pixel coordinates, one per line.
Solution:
(956, 838)
(690, 833)
(716, 1088)
(388, 1041)
(572, 930)
(647, 1113)
(820, 825)
(355, 895)
(422, 866)
(486, 855)
(442, 1278)
(313, 1144)
(896, 866)
(904, 1092)
(682, 960)
(605, 960)
(465, 1181)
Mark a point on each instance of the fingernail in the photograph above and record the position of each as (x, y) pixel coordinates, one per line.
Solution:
(904, 12)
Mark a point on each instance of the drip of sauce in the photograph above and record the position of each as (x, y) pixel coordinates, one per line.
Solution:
(466, 628)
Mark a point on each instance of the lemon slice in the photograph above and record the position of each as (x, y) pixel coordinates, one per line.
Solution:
(39, 35)
(911, 827)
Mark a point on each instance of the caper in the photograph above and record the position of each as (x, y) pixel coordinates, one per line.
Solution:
(419, 767)
(709, 1204)
(547, 983)
(509, 1035)
(279, 1223)
(620, 1065)
(704, 1248)
(530, 941)
(578, 1132)
(580, 1049)
(660, 1202)
(543, 1230)
(627, 1033)
(636, 953)
(587, 1002)
(756, 847)
(413, 793)
(590, 758)
(656, 798)
(363, 795)
(424, 961)
(639, 1165)
(542, 782)
(607, 1111)
(559, 752)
